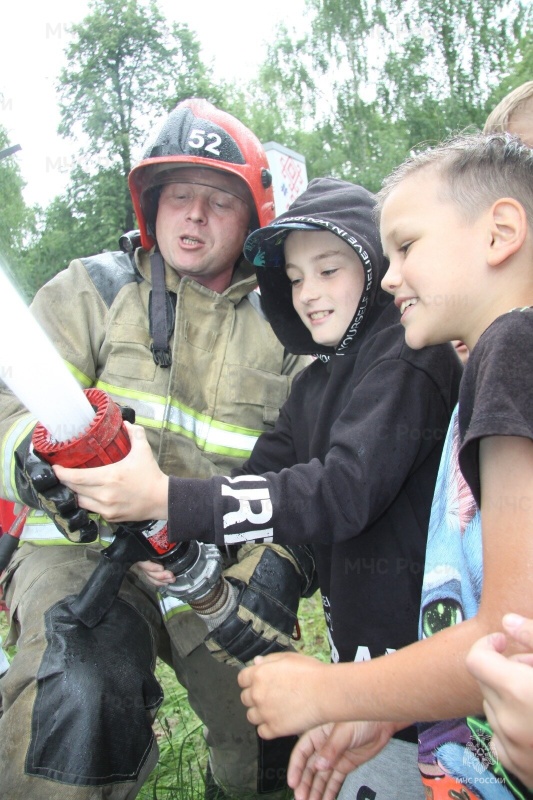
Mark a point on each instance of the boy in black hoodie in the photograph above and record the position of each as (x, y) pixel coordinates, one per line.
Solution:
(351, 465)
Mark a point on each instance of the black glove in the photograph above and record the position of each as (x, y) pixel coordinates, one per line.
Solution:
(38, 487)
(269, 581)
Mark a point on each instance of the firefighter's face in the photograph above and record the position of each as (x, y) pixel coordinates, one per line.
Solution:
(202, 222)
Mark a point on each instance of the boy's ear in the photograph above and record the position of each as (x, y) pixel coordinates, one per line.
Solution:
(509, 228)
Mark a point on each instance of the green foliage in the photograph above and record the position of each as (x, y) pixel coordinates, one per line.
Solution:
(16, 219)
(179, 774)
(85, 221)
(124, 66)
(371, 80)
(521, 71)
(446, 59)
(43, 258)
(180, 771)
(367, 83)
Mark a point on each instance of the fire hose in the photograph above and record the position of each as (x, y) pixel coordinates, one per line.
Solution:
(196, 565)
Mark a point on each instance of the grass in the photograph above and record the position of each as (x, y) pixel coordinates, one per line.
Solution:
(182, 750)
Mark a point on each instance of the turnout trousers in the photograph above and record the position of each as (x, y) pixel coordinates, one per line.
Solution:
(78, 703)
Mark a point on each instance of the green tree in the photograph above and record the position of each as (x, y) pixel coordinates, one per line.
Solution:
(446, 59)
(72, 224)
(520, 72)
(125, 66)
(47, 250)
(374, 78)
(16, 219)
(14, 216)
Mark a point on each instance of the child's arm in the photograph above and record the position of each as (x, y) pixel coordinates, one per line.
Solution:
(371, 455)
(427, 680)
(507, 686)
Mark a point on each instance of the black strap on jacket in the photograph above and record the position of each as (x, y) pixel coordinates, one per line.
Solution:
(162, 314)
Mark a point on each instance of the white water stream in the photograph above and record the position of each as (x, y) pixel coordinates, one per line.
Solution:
(34, 371)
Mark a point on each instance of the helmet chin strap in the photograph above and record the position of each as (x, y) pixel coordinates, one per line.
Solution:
(161, 313)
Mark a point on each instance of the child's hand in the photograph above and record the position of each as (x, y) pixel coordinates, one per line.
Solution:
(324, 756)
(155, 573)
(133, 489)
(507, 686)
(283, 692)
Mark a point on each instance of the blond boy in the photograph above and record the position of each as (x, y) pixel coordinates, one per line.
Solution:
(514, 114)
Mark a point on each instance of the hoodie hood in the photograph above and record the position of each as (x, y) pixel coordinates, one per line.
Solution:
(346, 210)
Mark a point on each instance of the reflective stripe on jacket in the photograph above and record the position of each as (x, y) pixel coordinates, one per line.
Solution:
(228, 378)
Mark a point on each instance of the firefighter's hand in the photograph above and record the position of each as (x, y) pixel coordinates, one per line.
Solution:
(268, 581)
(132, 490)
(39, 487)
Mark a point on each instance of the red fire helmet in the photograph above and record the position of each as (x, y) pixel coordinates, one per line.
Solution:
(198, 134)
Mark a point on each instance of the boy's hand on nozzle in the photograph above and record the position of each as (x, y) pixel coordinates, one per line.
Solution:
(323, 757)
(267, 582)
(39, 487)
(283, 692)
(131, 490)
(506, 682)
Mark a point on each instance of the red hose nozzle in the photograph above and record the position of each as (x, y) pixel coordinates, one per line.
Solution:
(105, 441)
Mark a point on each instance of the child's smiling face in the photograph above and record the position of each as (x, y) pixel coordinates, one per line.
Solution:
(327, 281)
(436, 260)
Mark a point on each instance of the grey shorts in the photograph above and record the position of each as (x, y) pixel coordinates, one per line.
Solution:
(392, 775)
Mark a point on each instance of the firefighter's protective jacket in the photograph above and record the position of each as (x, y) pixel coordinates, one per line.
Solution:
(228, 378)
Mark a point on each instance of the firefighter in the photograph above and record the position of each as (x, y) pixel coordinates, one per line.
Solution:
(174, 330)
